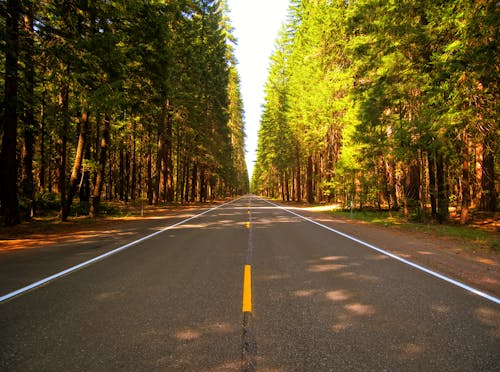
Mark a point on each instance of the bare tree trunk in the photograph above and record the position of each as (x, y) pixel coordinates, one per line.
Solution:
(464, 213)
(77, 164)
(63, 144)
(28, 184)
(442, 190)
(194, 176)
(309, 180)
(432, 183)
(298, 178)
(203, 192)
(8, 180)
(121, 172)
(103, 151)
(489, 193)
(287, 186)
(43, 161)
(169, 166)
(126, 190)
(150, 176)
(478, 175)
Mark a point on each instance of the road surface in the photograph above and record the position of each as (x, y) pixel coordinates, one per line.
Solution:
(248, 286)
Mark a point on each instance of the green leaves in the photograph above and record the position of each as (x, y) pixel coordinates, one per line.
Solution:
(399, 79)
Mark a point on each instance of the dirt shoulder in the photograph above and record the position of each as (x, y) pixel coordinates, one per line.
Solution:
(31, 251)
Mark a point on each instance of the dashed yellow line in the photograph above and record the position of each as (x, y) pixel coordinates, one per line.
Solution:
(247, 289)
(248, 225)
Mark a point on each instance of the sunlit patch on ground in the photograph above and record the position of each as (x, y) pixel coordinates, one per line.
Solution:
(333, 258)
(490, 317)
(441, 309)
(305, 292)
(324, 268)
(360, 309)
(412, 349)
(187, 335)
(339, 295)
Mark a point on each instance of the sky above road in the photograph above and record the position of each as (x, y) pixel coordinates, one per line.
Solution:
(256, 24)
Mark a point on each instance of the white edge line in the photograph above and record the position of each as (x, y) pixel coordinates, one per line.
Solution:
(422, 268)
(102, 256)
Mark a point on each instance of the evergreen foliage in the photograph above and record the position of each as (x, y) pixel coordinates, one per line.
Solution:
(388, 104)
(118, 100)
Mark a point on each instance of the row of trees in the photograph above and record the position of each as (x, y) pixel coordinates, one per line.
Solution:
(118, 99)
(385, 103)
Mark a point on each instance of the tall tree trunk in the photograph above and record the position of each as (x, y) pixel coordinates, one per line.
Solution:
(442, 190)
(28, 184)
(121, 173)
(77, 164)
(282, 181)
(186, 176)
(298, 178)
(149, 160)
(63, 144)
(134, 168)
(43, 161)
(194, 177)
(203, 192)
(101, 169)
(287, 186)
(478, 175)
(489, 193)
(8, 183)
(464, 213)
(127, 176)
(412, 186)
(309, 180)
(169, 166)
(85, 180)
(432, 183)
(391, 171)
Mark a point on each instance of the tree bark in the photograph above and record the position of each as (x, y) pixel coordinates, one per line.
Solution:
(169, 166)
(149, 166)
(63, 144)
(489, 194)
(464, 213)
(478, 175)
(8, 186)
(309, 180)
(298, 178)
(28, 184)
(103, 151)
(121, 173)
(432, 183)
(203, 191)
(194, 176)
(442, 190)
(77, 164)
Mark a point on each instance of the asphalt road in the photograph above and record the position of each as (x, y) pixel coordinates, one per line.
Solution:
(249, 286)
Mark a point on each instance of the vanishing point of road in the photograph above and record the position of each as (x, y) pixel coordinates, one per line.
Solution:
(248, 285)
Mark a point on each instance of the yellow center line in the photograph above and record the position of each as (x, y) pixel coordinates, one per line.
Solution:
(248, 225)
(247, 289)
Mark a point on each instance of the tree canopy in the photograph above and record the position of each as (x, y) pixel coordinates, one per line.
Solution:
(118, 100)
(389, 104)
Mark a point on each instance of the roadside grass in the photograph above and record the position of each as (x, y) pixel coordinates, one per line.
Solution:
(475, 237)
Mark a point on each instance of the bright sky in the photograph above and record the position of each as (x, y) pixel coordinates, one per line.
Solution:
(256, 25)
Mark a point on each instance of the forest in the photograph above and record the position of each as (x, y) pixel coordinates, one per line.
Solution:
(121, 100)
(385, 104)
